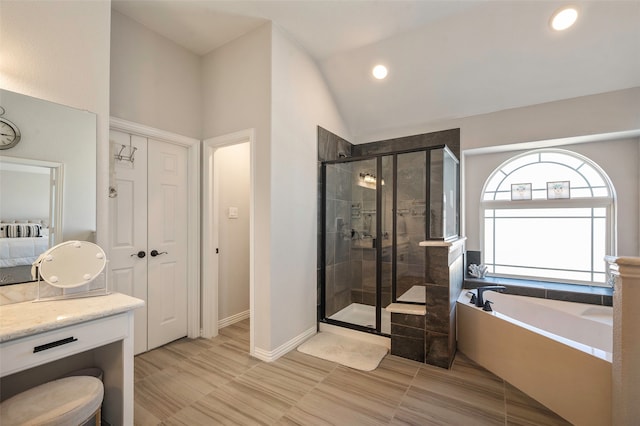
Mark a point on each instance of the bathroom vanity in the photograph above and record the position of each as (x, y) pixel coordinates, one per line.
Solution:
(42, 341)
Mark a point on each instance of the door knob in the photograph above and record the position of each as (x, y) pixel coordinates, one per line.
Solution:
(140, 254)
(155, 253)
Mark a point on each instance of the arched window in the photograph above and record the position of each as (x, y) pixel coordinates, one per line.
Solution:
(549, 215)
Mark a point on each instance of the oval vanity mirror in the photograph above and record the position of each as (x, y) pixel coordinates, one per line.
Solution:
(71, 264)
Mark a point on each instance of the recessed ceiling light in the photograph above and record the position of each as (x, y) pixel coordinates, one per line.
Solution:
(564, 18)
(379, 72)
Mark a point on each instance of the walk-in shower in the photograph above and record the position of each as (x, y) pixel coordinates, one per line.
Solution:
(375, 210)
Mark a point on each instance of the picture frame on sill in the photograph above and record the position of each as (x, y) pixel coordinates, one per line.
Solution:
(558, 190)
(520, 191)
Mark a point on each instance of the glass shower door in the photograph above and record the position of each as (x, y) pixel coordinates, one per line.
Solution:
(386, 247)
(350, 238)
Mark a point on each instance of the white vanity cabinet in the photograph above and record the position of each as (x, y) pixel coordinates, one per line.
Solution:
(41, 341)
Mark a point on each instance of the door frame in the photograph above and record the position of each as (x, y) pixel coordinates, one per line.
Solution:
(210, 231)
(193, 210)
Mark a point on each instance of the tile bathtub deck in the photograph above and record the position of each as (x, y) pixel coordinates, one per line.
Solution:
(210, 382)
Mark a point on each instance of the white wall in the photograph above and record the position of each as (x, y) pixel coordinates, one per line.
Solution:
(32, 189)
(618, 159)
(153, 80)
(264, 81)
(232, 171)
(236, 93)
(300, 102)
(59, 51)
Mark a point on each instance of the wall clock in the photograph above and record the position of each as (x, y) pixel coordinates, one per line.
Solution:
(9, 132)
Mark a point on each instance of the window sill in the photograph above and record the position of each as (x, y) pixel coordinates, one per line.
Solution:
(547, 290)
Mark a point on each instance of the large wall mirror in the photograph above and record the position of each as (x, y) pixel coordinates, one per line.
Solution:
(47, 182)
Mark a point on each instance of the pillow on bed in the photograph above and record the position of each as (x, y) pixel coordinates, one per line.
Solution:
(20, 230)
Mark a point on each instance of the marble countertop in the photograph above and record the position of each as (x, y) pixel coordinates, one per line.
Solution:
(28, 318)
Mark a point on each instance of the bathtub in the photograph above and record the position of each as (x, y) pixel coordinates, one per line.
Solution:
(559, 353)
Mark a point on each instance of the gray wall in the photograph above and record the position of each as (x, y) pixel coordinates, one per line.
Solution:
(32, 191)
(154, 81)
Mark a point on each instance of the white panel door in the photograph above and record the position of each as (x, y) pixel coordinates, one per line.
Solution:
(167, 243)
(148, 254)
(128, 216)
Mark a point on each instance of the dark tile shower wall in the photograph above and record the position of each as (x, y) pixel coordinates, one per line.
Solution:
(408, 336)
(410, 264)
(332, 147)
(444, 276)
(363, 284)
(411, 207)
(435, 203)
(363, 260)
(451, 138)
(431, 338)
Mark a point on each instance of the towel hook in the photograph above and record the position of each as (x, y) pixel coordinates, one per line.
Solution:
(132, 152)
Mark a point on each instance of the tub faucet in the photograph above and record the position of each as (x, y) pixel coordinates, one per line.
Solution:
(479, 300)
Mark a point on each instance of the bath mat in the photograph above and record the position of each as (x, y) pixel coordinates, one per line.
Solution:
(344, 350)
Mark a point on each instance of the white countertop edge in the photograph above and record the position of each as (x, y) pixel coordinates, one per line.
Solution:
(439, 243)
(406, 308)
(23, 319)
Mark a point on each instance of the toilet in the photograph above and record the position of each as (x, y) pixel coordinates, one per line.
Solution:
(70, 401)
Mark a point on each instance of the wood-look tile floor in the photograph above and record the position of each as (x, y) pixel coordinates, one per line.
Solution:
(210, 382)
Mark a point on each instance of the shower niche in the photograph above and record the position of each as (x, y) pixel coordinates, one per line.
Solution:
(375, 209)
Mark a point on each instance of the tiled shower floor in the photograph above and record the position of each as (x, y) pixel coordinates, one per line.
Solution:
(364, 315)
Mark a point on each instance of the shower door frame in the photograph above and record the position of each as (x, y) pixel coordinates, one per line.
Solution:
(378, 246)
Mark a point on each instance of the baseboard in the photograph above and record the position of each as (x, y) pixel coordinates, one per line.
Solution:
(270, 356)
(233, 319)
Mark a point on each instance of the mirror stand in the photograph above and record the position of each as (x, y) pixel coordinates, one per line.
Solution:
(72, 266)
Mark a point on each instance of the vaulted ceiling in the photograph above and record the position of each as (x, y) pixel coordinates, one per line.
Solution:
(446, 59)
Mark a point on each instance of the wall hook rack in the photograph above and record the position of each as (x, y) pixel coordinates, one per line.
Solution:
(121, 156)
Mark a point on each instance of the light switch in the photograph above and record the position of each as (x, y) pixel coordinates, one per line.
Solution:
(233, 213)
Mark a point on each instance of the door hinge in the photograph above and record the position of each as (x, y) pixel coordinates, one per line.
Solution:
(217, 250)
